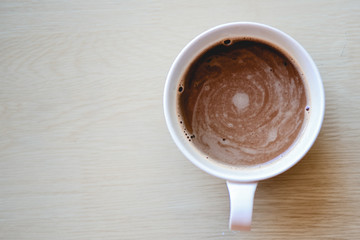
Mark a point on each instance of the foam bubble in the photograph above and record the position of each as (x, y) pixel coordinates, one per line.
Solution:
(240, 100)
(227, 42)
(272, 135)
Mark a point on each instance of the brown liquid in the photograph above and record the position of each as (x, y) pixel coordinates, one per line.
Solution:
(242, 102)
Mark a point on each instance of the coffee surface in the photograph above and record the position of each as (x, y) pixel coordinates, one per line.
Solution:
(242, 102)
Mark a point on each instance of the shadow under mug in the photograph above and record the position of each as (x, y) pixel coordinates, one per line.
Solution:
(242, 182)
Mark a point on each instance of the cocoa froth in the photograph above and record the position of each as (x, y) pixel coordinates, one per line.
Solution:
(244, 102)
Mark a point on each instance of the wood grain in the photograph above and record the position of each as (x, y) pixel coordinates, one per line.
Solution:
(84, 150)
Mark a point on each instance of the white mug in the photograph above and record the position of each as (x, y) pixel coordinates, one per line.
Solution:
(242, 182)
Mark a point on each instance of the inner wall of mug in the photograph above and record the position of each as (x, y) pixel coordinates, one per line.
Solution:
(313, 83)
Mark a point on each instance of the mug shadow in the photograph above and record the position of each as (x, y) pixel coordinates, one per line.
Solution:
(299, 198)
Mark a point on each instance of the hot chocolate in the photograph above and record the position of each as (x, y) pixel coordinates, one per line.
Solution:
(242, 102)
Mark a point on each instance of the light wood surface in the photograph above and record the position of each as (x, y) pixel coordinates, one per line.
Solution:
(84, 149)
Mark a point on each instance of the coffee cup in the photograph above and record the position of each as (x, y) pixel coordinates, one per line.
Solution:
(242, 180)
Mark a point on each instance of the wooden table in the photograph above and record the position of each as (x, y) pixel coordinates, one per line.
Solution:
(84, 149)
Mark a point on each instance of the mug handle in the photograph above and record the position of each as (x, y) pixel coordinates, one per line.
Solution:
(241, 205)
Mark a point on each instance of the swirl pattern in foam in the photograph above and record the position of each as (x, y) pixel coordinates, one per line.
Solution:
(243, 103)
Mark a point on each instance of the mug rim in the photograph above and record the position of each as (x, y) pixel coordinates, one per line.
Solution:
(258, 172)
